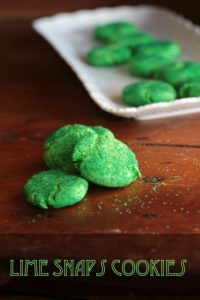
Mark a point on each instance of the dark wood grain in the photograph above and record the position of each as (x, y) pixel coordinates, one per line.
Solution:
(34, 8)
(39, 93)
(8, 296)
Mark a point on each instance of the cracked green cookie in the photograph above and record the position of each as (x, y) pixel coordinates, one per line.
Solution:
(189, 89)
(134, 40)
(147, 92)
(179, 72)
(115, 30)
(110, 55)
(104, 161)
(169, 50)
(59, 145)
(145, 66)
(55, 189)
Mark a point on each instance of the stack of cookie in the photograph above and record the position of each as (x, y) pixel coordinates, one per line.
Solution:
(75, 155)
(149, 58)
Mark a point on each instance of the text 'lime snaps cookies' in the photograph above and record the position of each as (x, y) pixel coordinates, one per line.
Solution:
(105, 161)
(59, 145)
(180, 72)
(189, 89)
(110, 55)
(115, 30)
(55, 189)
(147, 92)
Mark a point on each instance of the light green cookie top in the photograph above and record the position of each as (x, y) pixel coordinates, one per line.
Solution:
(147, 92)
(134, 40)
(110, 55)
(189, 89)
(106, 162)
(59, 145)
(100, 130)
(55, 189)
(114, 30)
(167, 49)
(179, 72)
(145, 66)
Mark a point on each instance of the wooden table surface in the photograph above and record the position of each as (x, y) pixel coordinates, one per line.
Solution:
(39, 93)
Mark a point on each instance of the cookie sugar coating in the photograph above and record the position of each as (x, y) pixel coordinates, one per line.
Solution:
(100, 130)
(58, 147)
(147, 92)
(179, 72)
(55, 189)
(114, 30)
(134, 40)
(108, 55)
(106, 162)
(166, 49)
(189, 89)
(145, 66)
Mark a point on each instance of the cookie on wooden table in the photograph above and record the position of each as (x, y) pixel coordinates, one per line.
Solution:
(55, 189)
(59, 145)
(105, 161)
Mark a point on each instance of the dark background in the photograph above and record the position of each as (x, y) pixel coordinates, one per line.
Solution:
(32, 8)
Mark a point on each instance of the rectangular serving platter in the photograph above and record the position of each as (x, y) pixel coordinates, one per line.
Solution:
(71, 35)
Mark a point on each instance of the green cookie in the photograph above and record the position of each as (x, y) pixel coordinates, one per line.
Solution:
(147, 92)
(108, 55)
(114, 30)
(55, 189)
(134, 40)
(166, 49)
(146, 66)
(58, 147)
(179, 72)
(105, 161)
(189, 89)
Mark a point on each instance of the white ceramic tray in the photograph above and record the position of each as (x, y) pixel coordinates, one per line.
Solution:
(71, 35)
